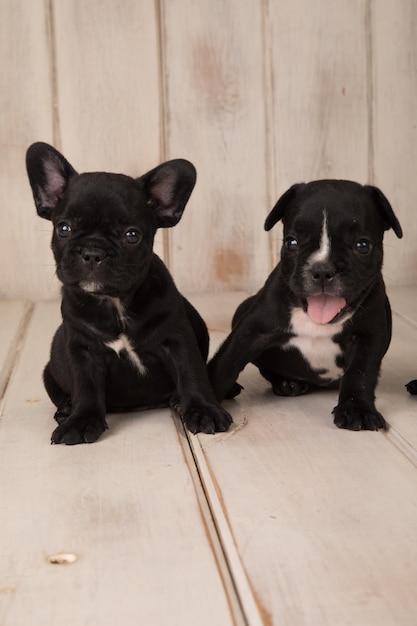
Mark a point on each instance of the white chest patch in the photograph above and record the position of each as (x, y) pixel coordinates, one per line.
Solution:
(123, 343)
(315, 343)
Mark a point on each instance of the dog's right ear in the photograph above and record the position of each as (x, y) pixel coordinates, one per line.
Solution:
(49, 173)
(282, 206)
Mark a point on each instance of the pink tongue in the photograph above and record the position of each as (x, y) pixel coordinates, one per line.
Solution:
(322, 309)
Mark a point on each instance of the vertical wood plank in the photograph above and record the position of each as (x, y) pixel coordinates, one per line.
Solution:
(108, 84)
(394, 27)
(314, 84)
(319, 113)
(215, 116)
(26, 267)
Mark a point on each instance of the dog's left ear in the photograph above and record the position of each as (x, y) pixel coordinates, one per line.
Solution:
(282, 206)
(385, 210)
(168, 188)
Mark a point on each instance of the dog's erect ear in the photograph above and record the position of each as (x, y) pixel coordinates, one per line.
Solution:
(49, 173)
(385, 210)
(282, 206)
(168, 188)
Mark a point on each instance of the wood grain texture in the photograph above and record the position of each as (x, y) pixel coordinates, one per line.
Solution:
(319, 114)
(108, 86)
(126, 509)
(13, 320)
(284, 519)
(323, 519)
(395, 129)
(213, 76)
(258, 95)
(399, 367)
(26, 268)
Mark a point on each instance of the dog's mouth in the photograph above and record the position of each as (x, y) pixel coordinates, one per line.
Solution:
(323, 308)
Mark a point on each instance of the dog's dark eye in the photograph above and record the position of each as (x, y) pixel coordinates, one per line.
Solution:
(63, 229)
(363, 246)
(291, 244)
(132, 235)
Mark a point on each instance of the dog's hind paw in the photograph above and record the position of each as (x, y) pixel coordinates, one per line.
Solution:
(174, 403)
(356, 417)
(74, 431)
(233, 391)
(412, 387)
(200, 418)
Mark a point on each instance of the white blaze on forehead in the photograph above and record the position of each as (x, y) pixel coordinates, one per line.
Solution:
(322, 254)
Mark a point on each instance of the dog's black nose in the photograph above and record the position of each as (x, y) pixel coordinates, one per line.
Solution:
(323, 273)
(92, 256)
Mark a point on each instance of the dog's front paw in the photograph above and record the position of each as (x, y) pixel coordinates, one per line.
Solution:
(358, 417)
(206, 418)
(412, 387)
(63, 412)
(76, 430)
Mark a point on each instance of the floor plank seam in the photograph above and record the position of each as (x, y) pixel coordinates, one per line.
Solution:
(14, 358)
(405, 318)
(401, 444)
(209, 520)
(251, 612)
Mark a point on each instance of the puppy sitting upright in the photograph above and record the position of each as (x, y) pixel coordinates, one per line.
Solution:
(128, 338)
(322, 315)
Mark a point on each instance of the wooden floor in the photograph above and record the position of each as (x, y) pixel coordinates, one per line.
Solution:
(283, 520)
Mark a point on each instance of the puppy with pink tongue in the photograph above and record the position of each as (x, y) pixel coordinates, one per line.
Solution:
(322, 318)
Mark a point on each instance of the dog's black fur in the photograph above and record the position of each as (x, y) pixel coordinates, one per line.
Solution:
(331, 257)
(412, 387)
(128, 338)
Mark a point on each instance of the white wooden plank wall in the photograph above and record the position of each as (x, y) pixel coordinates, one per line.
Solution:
(319, 115)
(394, 132)
(258, 94)
(26, 99)
(215, 111)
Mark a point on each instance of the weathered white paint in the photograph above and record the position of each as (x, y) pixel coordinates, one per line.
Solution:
(307, 503)
(284, 519)
(258, 95)
(99, 534)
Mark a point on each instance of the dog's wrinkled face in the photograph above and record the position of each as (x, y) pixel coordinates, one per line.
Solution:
(104, 224)
(103, 233)
(332, 248)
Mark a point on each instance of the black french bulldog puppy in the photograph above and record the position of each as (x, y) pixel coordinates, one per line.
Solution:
(128, 338)
(323, 315)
